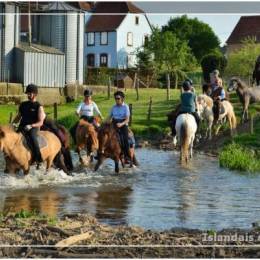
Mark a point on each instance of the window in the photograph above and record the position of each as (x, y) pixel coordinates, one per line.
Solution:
(146, 39)
(103, 60)
(103, 38)
(136, 20)
(91, 60)
(91, 38)
(129, 39)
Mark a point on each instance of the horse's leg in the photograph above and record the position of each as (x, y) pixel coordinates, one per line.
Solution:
(101, 159)
(246, 104)
(117, 165)
(230, 124)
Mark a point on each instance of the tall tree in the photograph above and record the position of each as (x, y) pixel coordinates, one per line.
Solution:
(168, 54)
(199, 35)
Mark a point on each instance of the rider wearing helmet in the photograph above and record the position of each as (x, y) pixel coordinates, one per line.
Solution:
(31, 115)
(86, 110)
(120, 115)
(188, 104)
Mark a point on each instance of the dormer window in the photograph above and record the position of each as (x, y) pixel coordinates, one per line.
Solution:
(103, 38)
(91, 38)
(136, 20)
(129, 39)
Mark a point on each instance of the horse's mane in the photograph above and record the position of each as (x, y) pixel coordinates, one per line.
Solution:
(7, 128)
(208, 100)
(240, 82)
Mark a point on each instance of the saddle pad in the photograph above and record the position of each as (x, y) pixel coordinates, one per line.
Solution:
(41, 140)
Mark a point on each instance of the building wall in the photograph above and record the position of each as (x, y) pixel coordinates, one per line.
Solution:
(97, 49)
(42, 69)
(80, 57)
(139, 31)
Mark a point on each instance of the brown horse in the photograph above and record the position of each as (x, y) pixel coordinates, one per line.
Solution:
(17, 153)
(109, 147)
(247, 95)
(86, 137)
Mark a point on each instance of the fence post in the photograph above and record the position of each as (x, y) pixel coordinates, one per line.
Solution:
(150, 109)
(135, 78)
(8, 79)
(131, 112)
(137, 89)
(55, 111)
(252, 124)
(108, 88)
(10, 117)
(168, 86)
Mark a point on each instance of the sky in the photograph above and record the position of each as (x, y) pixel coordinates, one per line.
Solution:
(222, 24)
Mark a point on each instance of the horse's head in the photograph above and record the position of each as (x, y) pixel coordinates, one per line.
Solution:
(233, 84)
(2, 136)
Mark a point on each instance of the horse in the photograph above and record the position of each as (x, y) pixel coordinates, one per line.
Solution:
(109, 147)
(256, 72)
(205, 105)
(16, 151)
(247, 95)
(86, 137)
(225, 110)
(186, 128)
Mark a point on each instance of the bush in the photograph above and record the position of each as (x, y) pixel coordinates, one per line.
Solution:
(211, 62)
(237, 157)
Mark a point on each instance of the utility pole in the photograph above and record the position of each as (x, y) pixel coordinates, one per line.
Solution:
(29, 24)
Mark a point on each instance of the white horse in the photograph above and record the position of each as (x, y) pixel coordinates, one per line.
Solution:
(186, 128)
(204, 106)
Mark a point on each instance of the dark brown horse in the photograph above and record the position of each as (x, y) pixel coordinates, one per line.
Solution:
(256, 72)
(109, 147)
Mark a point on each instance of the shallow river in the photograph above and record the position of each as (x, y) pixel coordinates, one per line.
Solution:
(160, 194)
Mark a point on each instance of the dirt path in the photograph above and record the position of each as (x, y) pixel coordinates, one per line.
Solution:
(83, 236)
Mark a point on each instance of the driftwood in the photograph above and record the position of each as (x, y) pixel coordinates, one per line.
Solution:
(74, 239)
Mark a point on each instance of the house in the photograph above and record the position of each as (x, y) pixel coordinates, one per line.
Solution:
(247, 27)
(113, 33)
(9, 38)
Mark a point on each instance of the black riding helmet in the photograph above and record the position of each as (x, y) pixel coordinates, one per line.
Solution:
(119, 93)
(88, 92)
(190, 80)
(31, 88)
(186, 85)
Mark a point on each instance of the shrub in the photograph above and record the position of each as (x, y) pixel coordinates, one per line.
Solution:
(237, 157)
(211, 62)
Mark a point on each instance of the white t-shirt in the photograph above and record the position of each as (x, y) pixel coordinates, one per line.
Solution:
(88, 110)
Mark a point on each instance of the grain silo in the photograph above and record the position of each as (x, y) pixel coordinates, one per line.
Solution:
(63, 28)
(9, 38)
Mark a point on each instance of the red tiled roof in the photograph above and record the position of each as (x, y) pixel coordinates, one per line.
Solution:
(247, 26)
(99, 23)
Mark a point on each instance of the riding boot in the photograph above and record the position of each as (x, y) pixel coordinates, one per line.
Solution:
(35, 145)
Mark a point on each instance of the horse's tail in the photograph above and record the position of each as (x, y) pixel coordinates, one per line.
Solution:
(184, 140)
(233, 120)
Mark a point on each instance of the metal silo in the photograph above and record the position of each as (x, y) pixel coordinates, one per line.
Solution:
(9, 33)
(64, 29)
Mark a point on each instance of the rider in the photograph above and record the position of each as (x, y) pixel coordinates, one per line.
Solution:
(86, 110)
(31, 115)
(188, 104)
(120, 115)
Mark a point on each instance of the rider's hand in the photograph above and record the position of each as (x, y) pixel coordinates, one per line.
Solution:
(119, 125)
(28, 127)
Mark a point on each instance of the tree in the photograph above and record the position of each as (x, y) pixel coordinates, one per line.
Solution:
(200, 36)
(168, 54)
(211, 62)
(241, 62)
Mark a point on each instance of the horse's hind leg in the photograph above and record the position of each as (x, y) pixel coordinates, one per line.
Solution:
(99, 162)
(117, 165)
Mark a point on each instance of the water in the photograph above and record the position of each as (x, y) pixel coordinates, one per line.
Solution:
(160, 194)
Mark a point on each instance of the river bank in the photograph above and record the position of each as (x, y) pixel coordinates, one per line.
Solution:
(83, 236)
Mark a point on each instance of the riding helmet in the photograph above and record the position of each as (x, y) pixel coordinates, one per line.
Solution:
(190, 80)
(88, 92)
(31, 88)
(119, 93)
(186, 85)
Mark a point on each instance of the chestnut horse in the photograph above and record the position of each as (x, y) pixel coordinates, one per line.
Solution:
(86, 137)
(109, 147)
(17, 153)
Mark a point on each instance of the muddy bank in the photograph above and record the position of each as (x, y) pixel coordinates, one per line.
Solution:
(83, 236)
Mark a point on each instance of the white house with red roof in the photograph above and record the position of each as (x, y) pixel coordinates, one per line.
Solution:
(113, 34)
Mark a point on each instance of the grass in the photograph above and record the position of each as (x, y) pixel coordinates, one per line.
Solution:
(237, 157)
